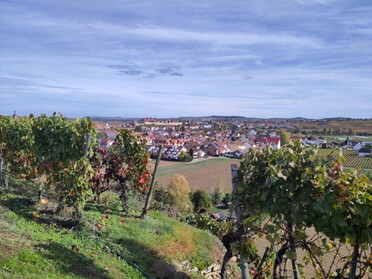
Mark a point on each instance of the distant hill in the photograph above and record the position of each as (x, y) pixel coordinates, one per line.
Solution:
(111, 119)
(228, 118)
(337, 118)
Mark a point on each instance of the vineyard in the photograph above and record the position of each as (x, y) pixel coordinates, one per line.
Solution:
(65, 157)
(351, 158)
(279, 195)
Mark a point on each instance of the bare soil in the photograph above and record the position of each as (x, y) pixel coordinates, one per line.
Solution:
(205, 177)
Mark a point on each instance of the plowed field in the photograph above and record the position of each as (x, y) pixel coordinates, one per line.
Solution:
(204, 174)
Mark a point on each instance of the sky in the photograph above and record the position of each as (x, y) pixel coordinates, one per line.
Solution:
(171, 58)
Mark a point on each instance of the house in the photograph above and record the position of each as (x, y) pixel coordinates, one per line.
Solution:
(267, 141)
(192, 145)
(315, 142)
(173, 152)
(213, 149)
(199, 154)
(217, 148)
(365, 151)
(350, 144)
(358, 146)
(153, 150)
(238, 145)
(106, 142)
(162, 133)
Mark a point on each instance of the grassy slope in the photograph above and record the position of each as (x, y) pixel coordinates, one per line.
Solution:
(34, 245)
(30, 249)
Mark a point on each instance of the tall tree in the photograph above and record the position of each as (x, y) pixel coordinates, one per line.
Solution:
(285, 137)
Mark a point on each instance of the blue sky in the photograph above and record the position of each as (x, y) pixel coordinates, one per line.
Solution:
(169, 58)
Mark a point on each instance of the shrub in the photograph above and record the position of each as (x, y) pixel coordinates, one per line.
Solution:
(200, 199)
(218, 192)
(205, 222)
(161, 198)
(185, 157)
(227, 199)
(179, 190)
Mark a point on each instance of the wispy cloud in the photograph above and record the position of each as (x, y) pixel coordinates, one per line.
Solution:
(134, 70)
(255, 58)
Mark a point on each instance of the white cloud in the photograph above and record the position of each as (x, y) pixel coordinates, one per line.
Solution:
(217, 38)
(253, 58)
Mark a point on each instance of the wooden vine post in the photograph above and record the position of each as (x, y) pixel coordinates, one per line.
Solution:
(88, 142)
(239, 219)
(148, 198)
(41, 186)
(292, 246)
(79, 207)
(1, 168)
(6, 178)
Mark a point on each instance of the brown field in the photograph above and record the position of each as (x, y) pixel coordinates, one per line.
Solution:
(205, 174)
(164, 163)
(356, 125)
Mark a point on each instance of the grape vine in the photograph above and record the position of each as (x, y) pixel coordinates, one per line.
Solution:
(56, 152)
(299, 192)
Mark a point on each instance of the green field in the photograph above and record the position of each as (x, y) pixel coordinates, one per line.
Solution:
(343, 138)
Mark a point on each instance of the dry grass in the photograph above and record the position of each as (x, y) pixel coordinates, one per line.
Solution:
(179, 246)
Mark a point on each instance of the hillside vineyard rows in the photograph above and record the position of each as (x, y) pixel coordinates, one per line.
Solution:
(314, 215)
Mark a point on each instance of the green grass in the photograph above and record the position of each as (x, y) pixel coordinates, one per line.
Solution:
(158, 236)
(343, 138)
(33, 249)
(34, 244)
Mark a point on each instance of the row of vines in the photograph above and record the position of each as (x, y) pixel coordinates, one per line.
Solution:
(65, 160)
(354, 160)
(312, 212)
(351, 158)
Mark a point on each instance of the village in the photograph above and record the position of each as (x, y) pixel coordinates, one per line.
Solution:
(188, 140)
